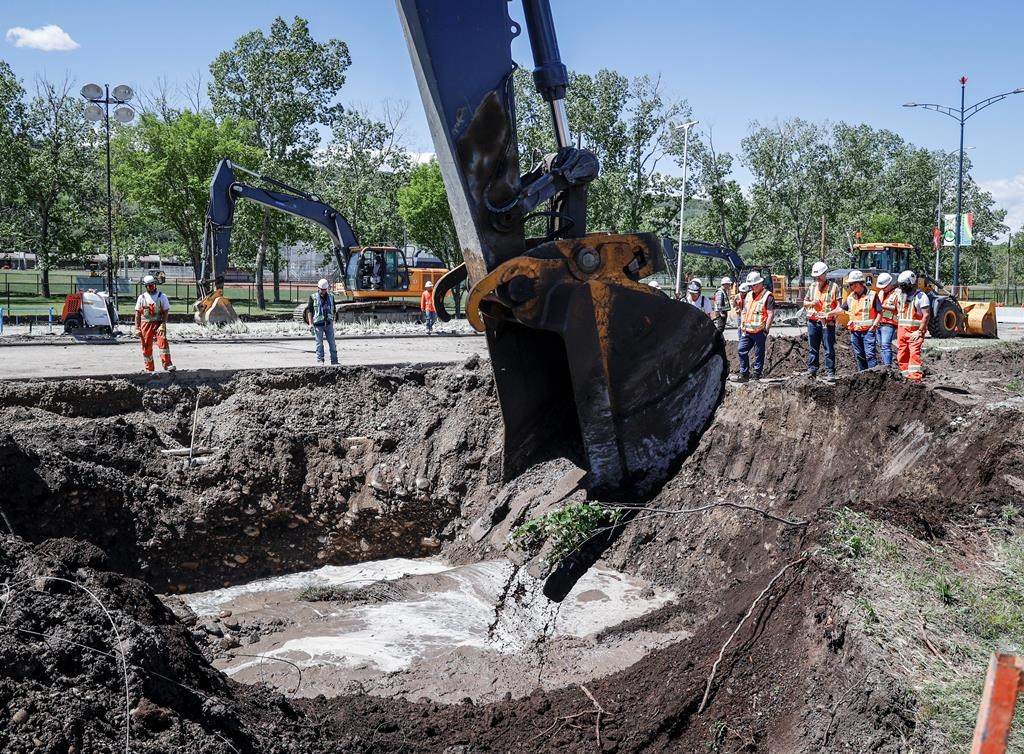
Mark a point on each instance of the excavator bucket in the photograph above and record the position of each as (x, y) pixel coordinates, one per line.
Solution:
(590, 362)
(214, 309)
(980, 318)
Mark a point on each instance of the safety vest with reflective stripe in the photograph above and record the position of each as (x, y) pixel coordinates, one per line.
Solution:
(755, 313)
(321, 313)
(909, 316)
(862, 311)
(889, 302)
(721, 301)
(824, 300)
(152, 306)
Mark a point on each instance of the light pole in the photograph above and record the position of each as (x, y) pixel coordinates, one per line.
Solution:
(962, 116)
(124, 113)
(682, 205)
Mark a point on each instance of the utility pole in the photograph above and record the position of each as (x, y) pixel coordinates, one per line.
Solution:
(822, 256)
(682, 207)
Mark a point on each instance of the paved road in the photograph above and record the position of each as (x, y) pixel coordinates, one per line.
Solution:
(19, 361)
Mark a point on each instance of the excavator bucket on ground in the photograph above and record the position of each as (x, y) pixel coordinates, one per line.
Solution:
(980, 318)
(214, 309)
(589, 362)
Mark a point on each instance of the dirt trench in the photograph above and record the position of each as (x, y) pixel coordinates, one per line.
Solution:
(310, 468)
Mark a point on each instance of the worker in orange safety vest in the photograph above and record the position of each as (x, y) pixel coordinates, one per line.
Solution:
(151, 311)
(822, 305)
(756, 319)
(865, 312)
(888, 293)
(914, 310)
(427, 307)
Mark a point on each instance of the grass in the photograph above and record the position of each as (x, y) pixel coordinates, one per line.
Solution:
(565, 528)
(324, 593)
(913, 593)
(1016, 386)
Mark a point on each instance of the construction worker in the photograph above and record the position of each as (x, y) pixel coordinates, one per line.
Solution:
(756, 318)
(695, 297)
(822, 306)
(887, 323)
(320, 316)
(720, 307)
(152, 308)
(865, 312)
(427, 306)
(913, 310)
(741, 296)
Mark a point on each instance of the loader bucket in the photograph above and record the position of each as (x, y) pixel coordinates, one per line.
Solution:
(592, 363)
(214, 309)
(980, 318)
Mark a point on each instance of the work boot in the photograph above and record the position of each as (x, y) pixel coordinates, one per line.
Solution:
(830, 376)
(171, 368)
(755, 376)
(813, 375)
(741, 378)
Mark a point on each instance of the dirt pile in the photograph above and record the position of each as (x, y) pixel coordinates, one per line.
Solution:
(308, 468)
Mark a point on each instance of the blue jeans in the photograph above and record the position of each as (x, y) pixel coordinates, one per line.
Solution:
(864, 349)
(816, 335)
(748, 340)
(430, 318)
(320, 332)
(886, 335)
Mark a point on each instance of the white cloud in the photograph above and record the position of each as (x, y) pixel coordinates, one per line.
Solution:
(49, 38)
(1009, 195)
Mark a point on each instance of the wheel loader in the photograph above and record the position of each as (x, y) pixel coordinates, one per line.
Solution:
(377, 281)
(589, 362)
(952, 317)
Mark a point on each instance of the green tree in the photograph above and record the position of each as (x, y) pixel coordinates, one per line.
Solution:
(14, 165)
(165, 166)
(423, 206)
(286, 84)
(361, 171)
(62, 183)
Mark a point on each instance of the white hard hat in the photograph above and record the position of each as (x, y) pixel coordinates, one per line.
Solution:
(694, 285)
(855, 276)
(819, 269)
(754, 278)
(149, 280)
(727, 280)
(323, 284)
(907, 276)
(428, 284)
(744, 287)
(884, 280)
(655, 284)
(697, 281)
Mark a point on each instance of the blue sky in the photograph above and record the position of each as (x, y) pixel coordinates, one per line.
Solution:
(735, 62)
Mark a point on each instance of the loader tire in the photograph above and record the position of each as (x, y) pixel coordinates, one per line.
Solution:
(948, 321)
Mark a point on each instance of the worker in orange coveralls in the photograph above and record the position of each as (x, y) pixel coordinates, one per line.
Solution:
(427, 307)
(914, 311)
(151, 311)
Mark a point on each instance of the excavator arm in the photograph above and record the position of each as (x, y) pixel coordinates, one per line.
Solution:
(712, 250)
(588, 362)
(225, 190)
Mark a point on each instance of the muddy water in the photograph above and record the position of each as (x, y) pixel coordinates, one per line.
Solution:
(432, 630)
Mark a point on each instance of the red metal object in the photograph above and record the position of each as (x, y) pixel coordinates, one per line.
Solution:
(1003, 683)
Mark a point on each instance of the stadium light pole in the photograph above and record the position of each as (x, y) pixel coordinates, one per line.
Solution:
(682, 205)
(123, 113)
(962, 116)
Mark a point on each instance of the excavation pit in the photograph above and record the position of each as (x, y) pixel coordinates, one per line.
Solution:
(840, 550)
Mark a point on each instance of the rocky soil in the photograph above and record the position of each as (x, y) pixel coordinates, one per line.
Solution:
(301, 468)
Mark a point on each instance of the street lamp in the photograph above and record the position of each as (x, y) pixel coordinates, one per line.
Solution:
(123, 113)
(682, 205)
(962, 116)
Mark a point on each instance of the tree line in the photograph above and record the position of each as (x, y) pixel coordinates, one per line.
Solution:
(273, 104)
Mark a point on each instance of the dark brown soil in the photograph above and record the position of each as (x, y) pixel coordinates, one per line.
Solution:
(322, 467)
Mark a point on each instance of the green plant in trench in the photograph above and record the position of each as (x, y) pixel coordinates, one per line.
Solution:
(566, 528)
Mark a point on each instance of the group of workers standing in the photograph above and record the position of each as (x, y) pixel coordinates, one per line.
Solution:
(895, 311)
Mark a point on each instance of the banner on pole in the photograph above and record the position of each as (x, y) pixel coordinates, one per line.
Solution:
(966, 229)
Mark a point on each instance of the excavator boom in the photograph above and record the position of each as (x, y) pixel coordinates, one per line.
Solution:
(588, 361)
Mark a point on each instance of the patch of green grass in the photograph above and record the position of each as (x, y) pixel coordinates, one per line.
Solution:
(322, 593)
(566, 528)
(1016, 386)
(855, 536)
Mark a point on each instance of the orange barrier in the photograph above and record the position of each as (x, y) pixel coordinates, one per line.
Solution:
(1004, 682)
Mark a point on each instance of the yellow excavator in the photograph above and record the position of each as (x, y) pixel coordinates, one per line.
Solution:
(376, 281)
(952, 317)
(589, 362)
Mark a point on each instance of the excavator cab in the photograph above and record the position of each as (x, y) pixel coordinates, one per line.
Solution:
(376, 268)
